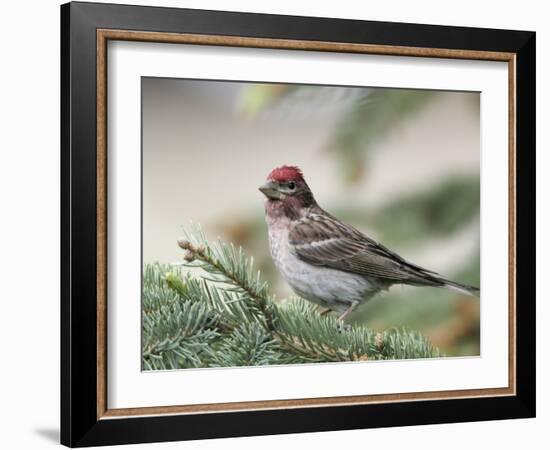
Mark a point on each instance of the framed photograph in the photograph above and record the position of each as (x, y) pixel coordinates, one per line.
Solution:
(278, 224)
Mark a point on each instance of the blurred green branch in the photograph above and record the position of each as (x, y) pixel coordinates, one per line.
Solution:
(369, 115)
(438, 211)
(369, 119)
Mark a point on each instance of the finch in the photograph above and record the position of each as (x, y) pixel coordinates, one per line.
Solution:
(329, 262)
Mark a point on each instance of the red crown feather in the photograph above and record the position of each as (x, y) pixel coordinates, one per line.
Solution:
(286, 173)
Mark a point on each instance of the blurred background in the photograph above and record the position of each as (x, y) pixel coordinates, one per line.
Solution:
(400, 165)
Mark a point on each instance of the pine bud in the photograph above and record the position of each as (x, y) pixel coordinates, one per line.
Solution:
(184, 244)
(378, 341)
(189, 256)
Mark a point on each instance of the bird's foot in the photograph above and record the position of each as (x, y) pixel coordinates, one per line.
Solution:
(349, 310)
(324, 311)
(341, 325)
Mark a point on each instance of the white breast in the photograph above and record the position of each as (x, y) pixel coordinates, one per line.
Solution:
(325, 286)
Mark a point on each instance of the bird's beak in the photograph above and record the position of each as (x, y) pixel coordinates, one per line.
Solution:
(270, 190)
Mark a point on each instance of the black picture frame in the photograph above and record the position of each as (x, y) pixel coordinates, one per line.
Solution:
(80, 425)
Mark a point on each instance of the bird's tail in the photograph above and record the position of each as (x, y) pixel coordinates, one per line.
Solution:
(462, 288)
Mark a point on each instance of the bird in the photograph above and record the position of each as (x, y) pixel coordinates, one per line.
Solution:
(327, 261)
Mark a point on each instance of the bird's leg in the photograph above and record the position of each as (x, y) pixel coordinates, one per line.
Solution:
(324, 311)
(350, 309)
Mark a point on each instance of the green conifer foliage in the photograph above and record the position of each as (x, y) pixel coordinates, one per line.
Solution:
(224, 316)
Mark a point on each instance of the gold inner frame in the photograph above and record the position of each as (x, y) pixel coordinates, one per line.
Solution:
(103, 36)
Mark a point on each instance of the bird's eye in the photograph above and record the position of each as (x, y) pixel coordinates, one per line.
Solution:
(291, 185)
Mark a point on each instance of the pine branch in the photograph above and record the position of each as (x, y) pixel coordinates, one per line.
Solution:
(229, 318)
(248, 345)
(229, 265)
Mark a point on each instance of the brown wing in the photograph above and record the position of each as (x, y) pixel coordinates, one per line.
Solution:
(322, 240)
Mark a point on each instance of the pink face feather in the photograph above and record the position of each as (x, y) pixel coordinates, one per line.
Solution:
(286, 173)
